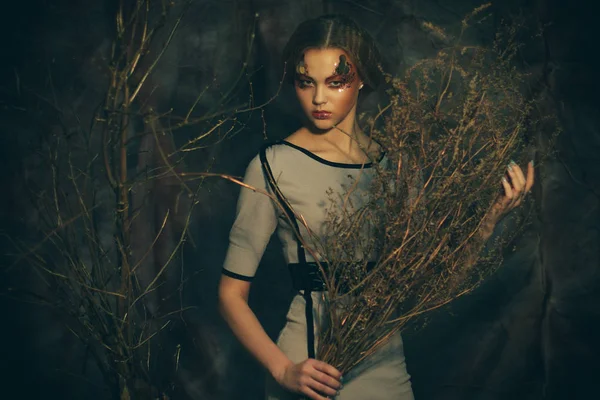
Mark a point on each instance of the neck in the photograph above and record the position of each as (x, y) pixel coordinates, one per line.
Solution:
(344, 135)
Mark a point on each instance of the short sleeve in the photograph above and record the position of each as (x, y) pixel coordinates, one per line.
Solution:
(255, 222)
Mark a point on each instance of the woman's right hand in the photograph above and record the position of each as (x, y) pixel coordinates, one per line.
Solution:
(312, 378)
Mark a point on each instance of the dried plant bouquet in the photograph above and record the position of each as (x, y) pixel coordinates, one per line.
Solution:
(453, 124)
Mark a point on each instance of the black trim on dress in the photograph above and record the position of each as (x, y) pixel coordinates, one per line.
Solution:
(306, 276)
(331, 163)
(237, 276)
(308, 309)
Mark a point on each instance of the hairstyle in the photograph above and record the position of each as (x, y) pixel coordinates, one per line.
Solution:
(337, 31)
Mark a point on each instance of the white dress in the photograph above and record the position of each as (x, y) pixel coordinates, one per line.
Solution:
(304, 179)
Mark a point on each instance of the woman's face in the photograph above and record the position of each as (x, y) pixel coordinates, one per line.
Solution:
(327, 86)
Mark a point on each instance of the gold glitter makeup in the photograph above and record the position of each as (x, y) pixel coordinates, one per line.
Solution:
(301, 68)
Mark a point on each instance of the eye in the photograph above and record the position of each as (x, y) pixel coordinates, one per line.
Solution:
(303, 83)
(336, 84)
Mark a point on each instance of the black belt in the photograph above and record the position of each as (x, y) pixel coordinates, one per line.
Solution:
(308, 276)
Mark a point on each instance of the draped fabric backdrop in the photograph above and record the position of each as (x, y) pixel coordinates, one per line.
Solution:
(530, 332)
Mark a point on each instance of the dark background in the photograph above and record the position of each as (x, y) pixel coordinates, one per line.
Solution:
(530, 332)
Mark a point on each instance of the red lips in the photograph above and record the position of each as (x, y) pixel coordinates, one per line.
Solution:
(321, 114)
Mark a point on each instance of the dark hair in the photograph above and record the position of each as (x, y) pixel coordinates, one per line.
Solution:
(337, 31)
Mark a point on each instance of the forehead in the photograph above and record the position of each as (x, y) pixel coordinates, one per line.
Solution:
(322, 62)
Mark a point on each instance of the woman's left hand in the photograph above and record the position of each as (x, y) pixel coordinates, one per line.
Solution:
(516, 186)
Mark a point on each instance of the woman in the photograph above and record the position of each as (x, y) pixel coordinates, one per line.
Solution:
(329, 60)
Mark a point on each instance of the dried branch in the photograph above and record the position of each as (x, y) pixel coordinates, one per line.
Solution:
(453, 123)
(110, 284)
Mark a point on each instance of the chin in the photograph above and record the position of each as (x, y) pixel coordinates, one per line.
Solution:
(323, 124)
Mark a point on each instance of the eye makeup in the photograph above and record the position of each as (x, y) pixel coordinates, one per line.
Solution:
(301, 68)
(334, 82)
(303, 82)
(345, 72)
(301, 78)
(343, 75)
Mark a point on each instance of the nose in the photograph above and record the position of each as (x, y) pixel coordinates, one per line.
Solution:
(319, 95)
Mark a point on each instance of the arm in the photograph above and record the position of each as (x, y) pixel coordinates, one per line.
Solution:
(309, 377)
(233, 305)
(514, 191)
(255, 222)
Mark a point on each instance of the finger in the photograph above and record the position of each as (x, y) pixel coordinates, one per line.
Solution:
(518, 187)
(328, 369)
(312, 394)
(510, 196)
(520, 175)
(323, 389)
(508, 192)
(326, 380)
(530, 176)
(518, 181)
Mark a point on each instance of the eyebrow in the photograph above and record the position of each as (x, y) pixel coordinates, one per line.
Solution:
(312, 79)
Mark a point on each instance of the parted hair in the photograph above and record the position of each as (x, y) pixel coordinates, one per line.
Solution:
(338, 31)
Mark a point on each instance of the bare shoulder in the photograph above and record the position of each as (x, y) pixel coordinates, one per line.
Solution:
(370, 146)
(300, 138)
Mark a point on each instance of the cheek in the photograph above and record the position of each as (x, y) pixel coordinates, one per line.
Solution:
(346, 98)
(304, 96)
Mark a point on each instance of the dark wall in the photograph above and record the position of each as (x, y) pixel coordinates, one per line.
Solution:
(528, 333)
